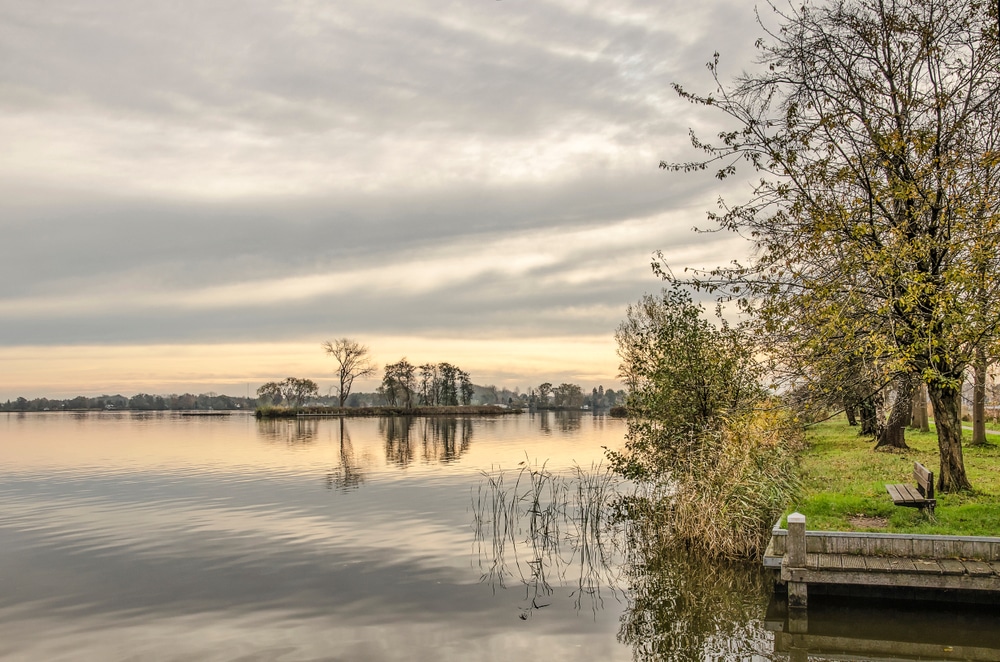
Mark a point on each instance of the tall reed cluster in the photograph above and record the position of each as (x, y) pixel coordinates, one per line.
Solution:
(726, 489)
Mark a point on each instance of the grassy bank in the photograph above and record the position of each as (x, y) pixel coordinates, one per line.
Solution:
(478, 410)
(844, 485)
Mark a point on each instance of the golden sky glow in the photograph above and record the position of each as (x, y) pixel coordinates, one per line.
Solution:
(61, 372)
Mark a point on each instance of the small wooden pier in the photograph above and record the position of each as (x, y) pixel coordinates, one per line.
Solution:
(964, 568)
(851, 629)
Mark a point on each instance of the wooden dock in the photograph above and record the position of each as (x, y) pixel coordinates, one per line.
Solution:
(960, 565)
(851, 629)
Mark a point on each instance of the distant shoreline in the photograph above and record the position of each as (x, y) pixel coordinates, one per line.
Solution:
(354, 412)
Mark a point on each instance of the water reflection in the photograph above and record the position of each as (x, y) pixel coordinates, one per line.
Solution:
(220, 538)
(683, 608)
(546, 530)
(289, 431)
(860, 628)
(397, 432)
(565, 422)
(444, 439)
(347, 474)
(439, 439)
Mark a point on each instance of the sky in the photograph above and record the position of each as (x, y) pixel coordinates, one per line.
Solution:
(194, 195)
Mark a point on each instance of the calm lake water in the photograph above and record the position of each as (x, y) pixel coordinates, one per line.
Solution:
(127, 536)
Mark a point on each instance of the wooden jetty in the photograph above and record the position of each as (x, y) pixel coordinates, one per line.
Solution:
(852, 629)
(963, 568)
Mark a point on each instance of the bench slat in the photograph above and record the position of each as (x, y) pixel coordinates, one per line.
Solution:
(904, 494)
(895, 492)
(924, 478)
(913, 494)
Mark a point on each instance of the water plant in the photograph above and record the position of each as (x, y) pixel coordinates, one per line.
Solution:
(538, 527)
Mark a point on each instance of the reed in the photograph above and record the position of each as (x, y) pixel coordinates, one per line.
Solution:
(538, 527)
(724, 492)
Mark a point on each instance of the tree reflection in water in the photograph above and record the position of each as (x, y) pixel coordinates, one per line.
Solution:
(542, 529)
(397, 430)
(682, 607)
(290, 431)
(441, 439)
(566, 421)
(348, 474)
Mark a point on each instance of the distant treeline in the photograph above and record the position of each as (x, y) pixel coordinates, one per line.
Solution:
(379, 410)
(545, 396)
(139, 402)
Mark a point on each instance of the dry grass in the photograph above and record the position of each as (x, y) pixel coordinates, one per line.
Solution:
(725, 488)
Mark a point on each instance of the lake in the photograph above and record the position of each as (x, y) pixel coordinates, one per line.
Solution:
(160, 536)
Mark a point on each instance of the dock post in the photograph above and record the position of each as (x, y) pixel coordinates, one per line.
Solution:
(795, 557)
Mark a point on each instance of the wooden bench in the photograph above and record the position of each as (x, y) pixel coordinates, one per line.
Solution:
(921, 496)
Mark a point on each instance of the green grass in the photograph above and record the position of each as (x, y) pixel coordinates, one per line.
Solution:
(843, 478)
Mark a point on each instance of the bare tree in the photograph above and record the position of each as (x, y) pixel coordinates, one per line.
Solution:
(353, 361)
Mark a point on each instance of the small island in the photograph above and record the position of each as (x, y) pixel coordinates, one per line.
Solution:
(442, 410)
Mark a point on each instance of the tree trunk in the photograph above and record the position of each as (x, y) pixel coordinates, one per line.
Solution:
(868, 407)
(979, 399)
(892, 434)
(918, 420)
(851, 409)
(947, 405)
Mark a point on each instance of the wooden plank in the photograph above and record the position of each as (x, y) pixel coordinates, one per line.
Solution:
(978, 568)
(828, 561)
(905, 495)
(947, 549)
(902, 565)
(951, 566)
(923, 548)
(853, 562)
(894, 492)
(927, 566)
(895, 579)
(812, 560)
(996, 567)
(878, 564)
(902, 547)
(924, 479)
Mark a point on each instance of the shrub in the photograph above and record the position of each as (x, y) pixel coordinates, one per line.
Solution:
(730, 489)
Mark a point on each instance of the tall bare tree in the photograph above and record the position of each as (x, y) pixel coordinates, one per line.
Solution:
(353, 361)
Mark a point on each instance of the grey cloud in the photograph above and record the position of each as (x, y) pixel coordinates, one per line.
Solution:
(111, 238)
(328, 83)
(497, 69)
(487, 304)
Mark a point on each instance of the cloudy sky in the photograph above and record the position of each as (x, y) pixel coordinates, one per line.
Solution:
(195, 194)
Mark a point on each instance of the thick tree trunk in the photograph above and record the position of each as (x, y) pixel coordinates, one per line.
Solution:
(892, 434)
(979, 399)
(947, 405)
(918, 420)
